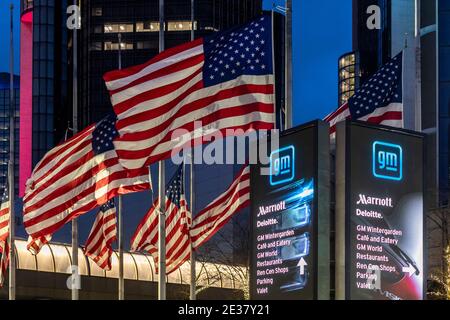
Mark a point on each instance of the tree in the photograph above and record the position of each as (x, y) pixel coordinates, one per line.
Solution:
(230, 249)
(439, 284)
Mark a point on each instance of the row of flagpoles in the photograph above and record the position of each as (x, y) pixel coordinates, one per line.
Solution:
(161, 189)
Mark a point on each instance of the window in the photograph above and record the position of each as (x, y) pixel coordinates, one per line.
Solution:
(348, 77)
(180, 25)
(98, 29)
(116, 28)
(147, 26)
(146, 45)
(109, 46)
(97, 12)
(96, 46)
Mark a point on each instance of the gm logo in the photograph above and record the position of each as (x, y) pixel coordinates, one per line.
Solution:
(282, 165)
(387, 161)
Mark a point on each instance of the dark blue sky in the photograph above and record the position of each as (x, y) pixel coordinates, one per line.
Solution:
(322, 32)
(4, 35)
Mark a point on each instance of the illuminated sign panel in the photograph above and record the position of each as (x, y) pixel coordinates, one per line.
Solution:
(380, 213)
(289, 249)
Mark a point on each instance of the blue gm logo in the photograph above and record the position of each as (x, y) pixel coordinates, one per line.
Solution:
(387, 161)
(282, 166)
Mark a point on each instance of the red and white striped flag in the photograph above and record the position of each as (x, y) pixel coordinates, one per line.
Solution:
(76, 177)
(4, 260)
(34, 245)
(178, 221)
(378, 101)
(5, 215)
(225, 81)
(211, 219)
(99, 243)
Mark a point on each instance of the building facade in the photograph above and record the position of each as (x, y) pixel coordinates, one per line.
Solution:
(45, 106)
(5, 105)
(373, 45)
(137, 22)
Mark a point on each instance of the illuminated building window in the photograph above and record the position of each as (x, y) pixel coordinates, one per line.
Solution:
(97, 12)
(116, 28)
(147, 26)
(109, 46)
(180, 26)
(348, 76)
(209, 29)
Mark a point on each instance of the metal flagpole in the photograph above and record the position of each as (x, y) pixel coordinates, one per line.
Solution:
(418, 104)
(12, 259)
(75, 273)
(288, 65)
(192, 177)
(274, 72)
(161, 189)
(119, 211)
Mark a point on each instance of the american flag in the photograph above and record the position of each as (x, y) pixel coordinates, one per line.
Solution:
(4, 260)
(222, 209)
(4, 234)
(76, 177)
(34, 245)
(178, 221)
(4, 214)
(225, 81)
(378, 101)
(99, 243)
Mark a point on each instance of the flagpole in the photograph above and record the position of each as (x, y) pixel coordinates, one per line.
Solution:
(274, 74)
(121, 293)
(288, 65)
(161, 190)
(192, 177)
(75, 293)
(418, 100)
(12, 259)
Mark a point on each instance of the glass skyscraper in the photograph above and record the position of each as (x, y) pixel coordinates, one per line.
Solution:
(5, 104)
(46, 101)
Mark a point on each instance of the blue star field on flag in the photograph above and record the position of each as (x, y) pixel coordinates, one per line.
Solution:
(246, 50)
(384, 88)
(107, 206)
(175, 188)
(104, 134)
(5, 195)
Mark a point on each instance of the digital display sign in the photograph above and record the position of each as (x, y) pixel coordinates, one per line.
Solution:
(289, 249)
(380, 213)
